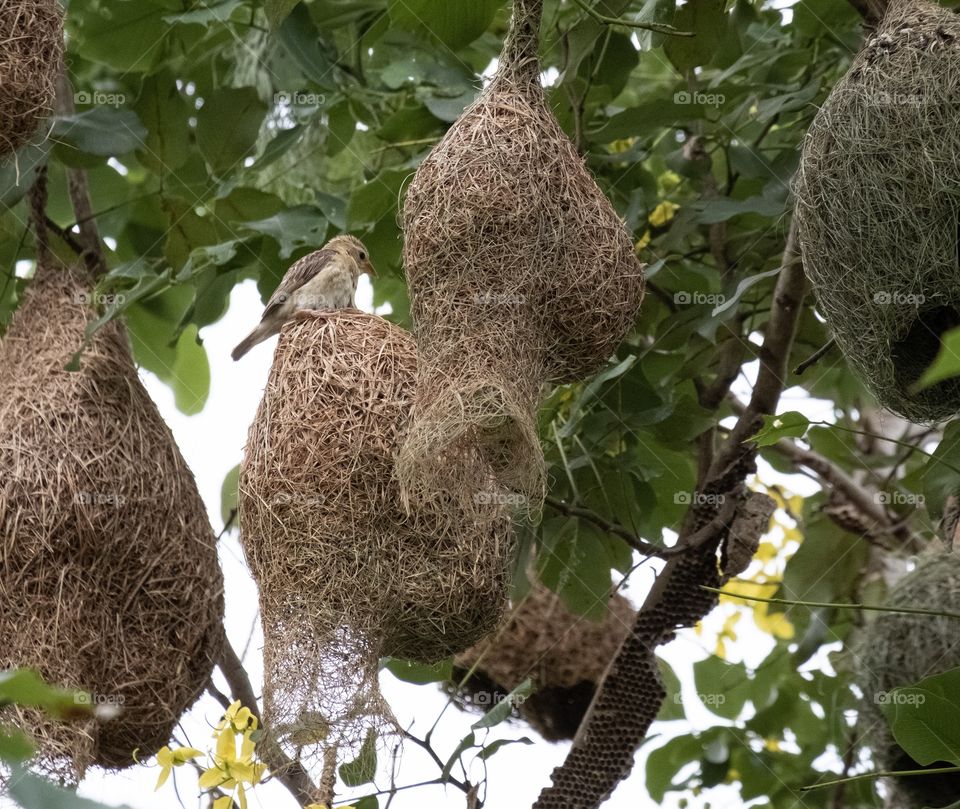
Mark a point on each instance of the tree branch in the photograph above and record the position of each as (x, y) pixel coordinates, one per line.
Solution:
(287, 771)
(631, 693)
(89, 240)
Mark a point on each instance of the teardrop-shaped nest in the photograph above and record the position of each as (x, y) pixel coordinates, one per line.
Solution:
(902, 649)
(877, 208)
(347, 575)
(565, 656)
(109, 578)
(31, 56)
(520, 273)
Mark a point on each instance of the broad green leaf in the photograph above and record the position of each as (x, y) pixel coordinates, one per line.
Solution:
(420, 673)
(126, 35)
(102, 131)
(925, 724)
(25, 687)
(454, 24)
(278, 10)
(302, 40)
(33, 792)
(940, 476)
(363, 768)
(300, 226)
(229, 493)
(15, 747)
(228, 125)
(946, 365)
(722, 687)
(499, 712)
(786, 425)
(706, 19)
(189, 375)
(165, 113)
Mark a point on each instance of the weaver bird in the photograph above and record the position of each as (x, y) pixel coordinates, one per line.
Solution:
(321, 281)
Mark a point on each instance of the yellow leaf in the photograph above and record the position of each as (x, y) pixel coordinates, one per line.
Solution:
(668, 181)
(663, 213)
(643, 241)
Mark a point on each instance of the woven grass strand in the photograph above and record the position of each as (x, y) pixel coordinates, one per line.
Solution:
(878, 209)
(109, 578)
(31, 56)
(346, 574)
(520, 273)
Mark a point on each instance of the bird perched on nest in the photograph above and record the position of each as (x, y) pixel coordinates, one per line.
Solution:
(321, 281)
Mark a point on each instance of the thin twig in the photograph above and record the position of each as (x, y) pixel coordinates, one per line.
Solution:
(815, 357)
(656, 27)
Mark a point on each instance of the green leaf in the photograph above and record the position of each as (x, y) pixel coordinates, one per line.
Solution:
(363, 768)
(304, 43)
(101, 131)
(722, 687)
(925, 724)
(15, 747)
(420, 673)
(454, 24)
(294, 228)
(940, 476)
(502, 710)
(278, 10)
(165, 113)
(190, 374)
(946, 365)
(492, 749)
(32, 792)
(229, 493)
(706, 19)
(786, 425)
(466, 743)
(228, 125)
(25, 687)
(742, 287)
(127, 35)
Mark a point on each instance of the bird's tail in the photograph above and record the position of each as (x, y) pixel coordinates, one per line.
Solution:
(258, 335)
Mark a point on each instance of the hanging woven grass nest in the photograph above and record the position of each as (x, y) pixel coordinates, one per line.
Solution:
(31, 56)
(878, 213)
(563, 654)
(520, 273)
(109, 578)
(346, 575)
(902, 649)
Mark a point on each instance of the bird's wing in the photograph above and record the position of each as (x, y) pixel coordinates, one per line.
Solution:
(301, 272)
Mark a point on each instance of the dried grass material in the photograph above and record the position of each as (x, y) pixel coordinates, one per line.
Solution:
(878, 209)
(346, 575)
(900, 650)
(31, 55)
(520, 273)
(565, 655)
(109, 578)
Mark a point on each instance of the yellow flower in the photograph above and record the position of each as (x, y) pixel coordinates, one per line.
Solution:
(224, 802)
(231, 769)
(777, 624)
(619, 147)
(239, 719)
(727, 632)
(668, 181)
(643, 241)
(771, 744)
(663, 213)
(168, 759)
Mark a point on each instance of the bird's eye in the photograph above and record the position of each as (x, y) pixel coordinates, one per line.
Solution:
(363, 256)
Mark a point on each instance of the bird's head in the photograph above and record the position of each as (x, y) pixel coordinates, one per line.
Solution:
(354, 249)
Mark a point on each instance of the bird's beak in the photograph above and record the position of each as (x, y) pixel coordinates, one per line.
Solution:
(369, 269)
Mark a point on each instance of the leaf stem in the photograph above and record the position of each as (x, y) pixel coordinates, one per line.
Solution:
(656, 27)
(869, 776)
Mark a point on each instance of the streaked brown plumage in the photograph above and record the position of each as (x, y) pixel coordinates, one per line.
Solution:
(321, 281)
